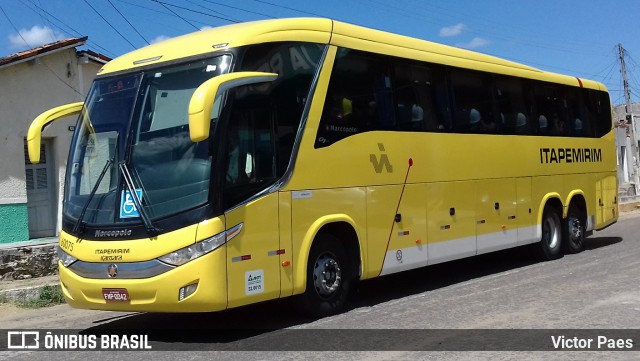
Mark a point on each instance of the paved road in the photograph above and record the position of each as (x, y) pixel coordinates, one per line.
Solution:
(596, 289)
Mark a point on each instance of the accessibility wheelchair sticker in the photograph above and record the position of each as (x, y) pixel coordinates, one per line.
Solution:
(128, 207)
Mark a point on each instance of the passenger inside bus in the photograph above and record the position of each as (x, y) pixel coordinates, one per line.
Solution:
(236, 174)
(557, 125)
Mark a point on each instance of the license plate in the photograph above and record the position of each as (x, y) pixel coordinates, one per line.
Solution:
(115, 294)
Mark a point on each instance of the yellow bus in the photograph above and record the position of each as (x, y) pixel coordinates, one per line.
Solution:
(293, 157)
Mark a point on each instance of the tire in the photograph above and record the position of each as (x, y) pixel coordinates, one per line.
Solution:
(329, 277)
(550, 245)
(573, 231)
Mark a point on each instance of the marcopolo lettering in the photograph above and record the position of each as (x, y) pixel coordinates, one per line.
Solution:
(113, 233)
(570, 155)
(335, 128)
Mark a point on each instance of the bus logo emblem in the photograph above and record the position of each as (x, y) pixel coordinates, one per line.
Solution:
(112, 270)
(378, 164)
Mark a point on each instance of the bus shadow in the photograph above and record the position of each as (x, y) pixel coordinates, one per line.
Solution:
(239, 326)
(441, 275)
(599, 242)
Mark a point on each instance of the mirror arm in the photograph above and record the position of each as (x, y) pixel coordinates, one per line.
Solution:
(34, 135)
(201, 103)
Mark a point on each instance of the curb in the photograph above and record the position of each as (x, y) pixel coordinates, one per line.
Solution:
(628, 207)
(25, 294)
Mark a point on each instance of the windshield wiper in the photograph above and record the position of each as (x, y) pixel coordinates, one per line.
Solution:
(151, 229)
(78, 229)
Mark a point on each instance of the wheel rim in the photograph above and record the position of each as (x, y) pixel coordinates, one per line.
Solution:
(575, 230)
(327, 275)
(550, 233)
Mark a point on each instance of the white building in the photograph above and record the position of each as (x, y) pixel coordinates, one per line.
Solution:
(31, 82)
(628, 160)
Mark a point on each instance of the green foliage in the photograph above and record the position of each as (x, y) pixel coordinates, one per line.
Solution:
(49, 296)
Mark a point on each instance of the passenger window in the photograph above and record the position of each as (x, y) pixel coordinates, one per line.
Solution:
(263, 119)
(359, 97)
(581, 114)
(551, 111)
(513, 106)
(602, 111)
(420, 94)
(250, 154)
(473, 99)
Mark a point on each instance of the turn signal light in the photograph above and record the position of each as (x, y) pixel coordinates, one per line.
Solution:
(187, 291)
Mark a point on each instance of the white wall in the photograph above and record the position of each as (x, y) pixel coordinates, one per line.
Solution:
(26, 90)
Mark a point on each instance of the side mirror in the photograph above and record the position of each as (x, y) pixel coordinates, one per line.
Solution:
(210, 91)
(34, 135)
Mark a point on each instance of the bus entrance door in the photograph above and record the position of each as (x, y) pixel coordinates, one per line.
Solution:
(253, 270)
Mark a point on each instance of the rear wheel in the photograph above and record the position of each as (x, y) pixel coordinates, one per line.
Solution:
(573, 230)
(329, 276)
(550, 246)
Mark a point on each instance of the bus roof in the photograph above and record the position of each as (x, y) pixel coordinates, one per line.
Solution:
(326, 31)
(221, 38)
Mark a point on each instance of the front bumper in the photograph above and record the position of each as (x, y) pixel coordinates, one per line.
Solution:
(158, 293)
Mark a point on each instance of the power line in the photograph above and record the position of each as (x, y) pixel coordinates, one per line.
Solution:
(52, 34)
(158, 11)
(125, 19)
(288, 8)
(416, 12)
(107, 51)
(631, 77)
(165, 5)
(110, 25)
(492, 23)
(212, 10)
(46, 12)
(612, 64)
(147, 8)
(609, 75)
(176, 14)
(237, 8)
(50, 30)
(43, 63)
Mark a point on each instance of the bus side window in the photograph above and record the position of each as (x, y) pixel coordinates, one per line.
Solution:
(416, 89)
(250, 154)
(473, 99)
(551, 110)
(512, 106)
(580, 118)
(286, 100)
(359, 98)
(602, 112)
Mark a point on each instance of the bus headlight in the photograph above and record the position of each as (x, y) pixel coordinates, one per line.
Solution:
(65, 258)
(189, 253)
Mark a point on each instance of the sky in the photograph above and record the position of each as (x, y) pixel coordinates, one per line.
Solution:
(573, 37)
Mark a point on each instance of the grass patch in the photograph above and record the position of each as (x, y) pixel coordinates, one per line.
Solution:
(49, 296)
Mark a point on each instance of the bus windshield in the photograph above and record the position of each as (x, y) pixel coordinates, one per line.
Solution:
(139, 122)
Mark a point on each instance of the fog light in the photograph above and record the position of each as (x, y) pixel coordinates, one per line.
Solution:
(187, 291)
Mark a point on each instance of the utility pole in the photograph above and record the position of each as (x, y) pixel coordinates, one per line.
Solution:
(632, 142)
(625, 82)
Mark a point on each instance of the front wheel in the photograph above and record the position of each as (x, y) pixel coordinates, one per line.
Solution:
(328, 278)
(573, 231)
(550, 245)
